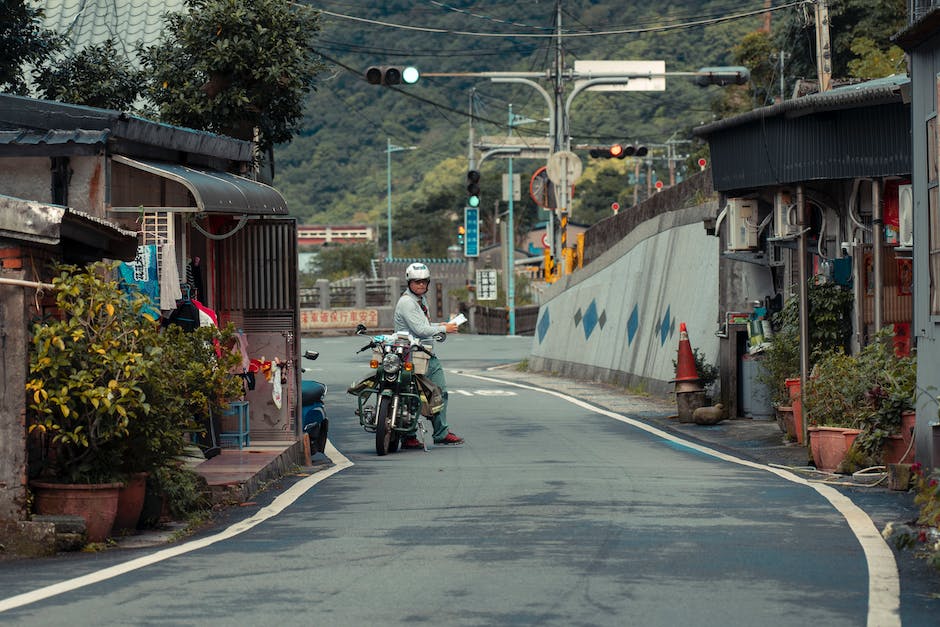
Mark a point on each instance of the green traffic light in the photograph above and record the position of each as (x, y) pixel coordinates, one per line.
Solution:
(473, 201)
(410, 75)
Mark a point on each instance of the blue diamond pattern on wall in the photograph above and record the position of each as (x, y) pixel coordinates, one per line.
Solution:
(590, 320)
(633, 324)
(542, 326)
(664, 327)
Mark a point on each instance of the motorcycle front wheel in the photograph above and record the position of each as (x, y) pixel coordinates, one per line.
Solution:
(383, 425)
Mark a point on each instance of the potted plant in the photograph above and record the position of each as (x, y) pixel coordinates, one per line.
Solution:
(830, 308)
(84, 391)
(866, 394)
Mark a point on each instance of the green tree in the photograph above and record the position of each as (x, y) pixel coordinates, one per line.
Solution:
(873, 62)
(97, 76)
(337, 262)
(23, 41)
(234, 66)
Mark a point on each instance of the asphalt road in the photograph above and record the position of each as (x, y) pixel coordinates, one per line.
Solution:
(553, 513)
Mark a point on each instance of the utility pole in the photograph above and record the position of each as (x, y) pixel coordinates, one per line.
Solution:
(389, 149)
(823, 47)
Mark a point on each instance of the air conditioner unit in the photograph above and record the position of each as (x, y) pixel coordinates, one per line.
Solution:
(742, 224)
(905, 216)
(783, 210)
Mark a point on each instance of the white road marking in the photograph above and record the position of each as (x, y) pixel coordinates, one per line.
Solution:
(884, 586)
(485, 392)
(276, 507)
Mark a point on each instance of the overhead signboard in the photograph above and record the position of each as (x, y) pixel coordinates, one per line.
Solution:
(529, 147)
(643, 75)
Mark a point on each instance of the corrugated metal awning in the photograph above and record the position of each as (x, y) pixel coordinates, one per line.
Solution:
(214, 191)
(82, 236)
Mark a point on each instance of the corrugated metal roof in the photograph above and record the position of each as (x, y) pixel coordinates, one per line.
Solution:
(127, 22)
(36, 138)
(855, 131)
(866, 94)
(22, 113)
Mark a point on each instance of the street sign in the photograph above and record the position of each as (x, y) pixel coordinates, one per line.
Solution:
(471, 224)
(564, 164)
(516, 187)
(486, 285)
(653, 81)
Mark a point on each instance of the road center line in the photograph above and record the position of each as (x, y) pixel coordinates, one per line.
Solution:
(884, 587)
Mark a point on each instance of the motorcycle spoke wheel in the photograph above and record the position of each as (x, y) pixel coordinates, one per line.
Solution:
(383, 427)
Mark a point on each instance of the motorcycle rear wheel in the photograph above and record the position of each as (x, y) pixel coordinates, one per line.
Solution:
(383, 426)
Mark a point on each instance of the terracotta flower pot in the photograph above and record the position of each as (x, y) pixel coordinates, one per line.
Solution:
(828, 447)
(96, 503)
(796, 402)
(130, 502)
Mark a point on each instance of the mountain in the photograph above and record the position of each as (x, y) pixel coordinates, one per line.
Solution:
(335, 170)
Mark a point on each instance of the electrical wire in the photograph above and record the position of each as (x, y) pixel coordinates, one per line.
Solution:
(564, 35)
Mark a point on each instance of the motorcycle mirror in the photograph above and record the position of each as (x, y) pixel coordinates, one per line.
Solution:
(360, 329)
(311, 355)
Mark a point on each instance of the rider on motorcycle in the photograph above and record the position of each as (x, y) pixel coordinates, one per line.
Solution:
(411, 316)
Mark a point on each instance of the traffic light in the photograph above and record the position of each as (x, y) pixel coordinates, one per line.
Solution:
(460, 233)
(618, 151)
(473, 188)
(392, 75)
(614, 151)
(723, 75)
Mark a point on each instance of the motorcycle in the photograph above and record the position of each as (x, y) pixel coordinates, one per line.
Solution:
(390, 400)
(312, 410)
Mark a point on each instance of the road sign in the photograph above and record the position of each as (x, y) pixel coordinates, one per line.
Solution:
(654, 81)
(471, 223)
(486, 285)
(564, 164)
(542, 190)
(544, 240)
(516, 187)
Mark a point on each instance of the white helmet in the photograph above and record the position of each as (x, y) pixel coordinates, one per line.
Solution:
(417, 271)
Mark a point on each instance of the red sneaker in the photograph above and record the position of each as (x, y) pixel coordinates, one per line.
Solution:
(450, 440)
(412, 442)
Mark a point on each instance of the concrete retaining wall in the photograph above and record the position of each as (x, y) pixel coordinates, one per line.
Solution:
(617, 320)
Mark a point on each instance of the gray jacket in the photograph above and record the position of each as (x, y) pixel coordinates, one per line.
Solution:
(410, 318)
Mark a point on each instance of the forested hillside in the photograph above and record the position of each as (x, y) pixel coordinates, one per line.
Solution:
(336, 169)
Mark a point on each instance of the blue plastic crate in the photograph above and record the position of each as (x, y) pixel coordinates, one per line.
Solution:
(235, 426)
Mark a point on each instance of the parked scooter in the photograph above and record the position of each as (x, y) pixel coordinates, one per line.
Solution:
(313, 412)
(390, 400)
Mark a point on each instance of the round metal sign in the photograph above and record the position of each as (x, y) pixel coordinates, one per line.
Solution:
(564, 165)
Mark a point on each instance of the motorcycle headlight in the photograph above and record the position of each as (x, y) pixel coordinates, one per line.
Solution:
(391, 363)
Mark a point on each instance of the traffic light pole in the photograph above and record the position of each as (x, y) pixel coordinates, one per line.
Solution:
(389, 149)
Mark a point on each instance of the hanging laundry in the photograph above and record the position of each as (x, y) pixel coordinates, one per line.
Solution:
(142, 272)
(169, 278)
(276, 383)
(207, 317)
(194, 277)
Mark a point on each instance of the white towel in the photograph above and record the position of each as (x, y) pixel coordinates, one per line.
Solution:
(169, 279)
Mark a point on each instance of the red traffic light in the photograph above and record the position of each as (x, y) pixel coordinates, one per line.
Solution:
(615, 151)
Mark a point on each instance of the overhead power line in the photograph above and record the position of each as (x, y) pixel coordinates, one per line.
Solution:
(568, 35)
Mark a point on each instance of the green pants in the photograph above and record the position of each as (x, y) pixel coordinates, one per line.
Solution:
(439, 421)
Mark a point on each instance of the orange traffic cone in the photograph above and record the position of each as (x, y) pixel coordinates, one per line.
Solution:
(690, 395)
(685, 363)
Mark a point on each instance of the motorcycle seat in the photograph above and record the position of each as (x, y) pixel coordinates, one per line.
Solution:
(311, 392)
